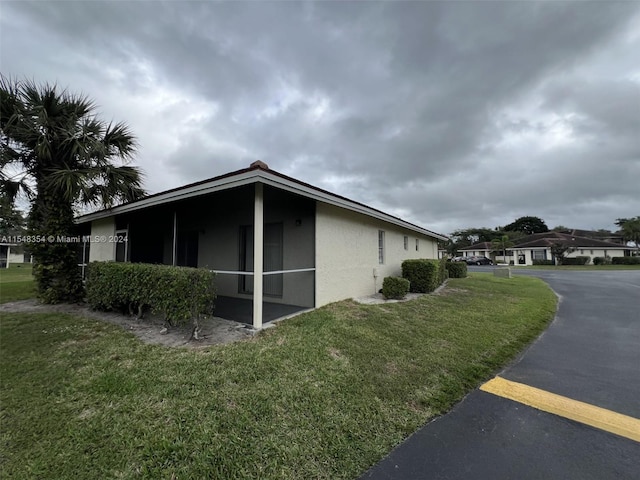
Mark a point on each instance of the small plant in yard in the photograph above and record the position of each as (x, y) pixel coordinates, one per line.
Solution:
(395, 288)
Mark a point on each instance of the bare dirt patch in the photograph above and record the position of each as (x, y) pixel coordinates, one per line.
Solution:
(150, 329)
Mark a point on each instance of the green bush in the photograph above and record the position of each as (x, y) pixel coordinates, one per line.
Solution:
(457, 269)
(178, 293)
(424, 275)
(443, 273)
(575, 260)
(602, 260)
(395, 287)
(625, 260)
(542, 262)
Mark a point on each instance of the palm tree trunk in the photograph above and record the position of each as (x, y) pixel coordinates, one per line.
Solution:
(55, 259)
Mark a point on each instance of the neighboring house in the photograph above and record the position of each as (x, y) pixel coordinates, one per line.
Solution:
(611, 237)
(272, 239)
(484, 249)
(5, 249)
(8, 257)
(538, 247)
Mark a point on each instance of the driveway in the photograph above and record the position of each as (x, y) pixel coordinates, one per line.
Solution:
(588, 360)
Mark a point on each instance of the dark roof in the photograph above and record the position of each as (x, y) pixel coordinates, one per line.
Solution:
(479, 246)
(258, 165)
(548, 239)
(615, 237)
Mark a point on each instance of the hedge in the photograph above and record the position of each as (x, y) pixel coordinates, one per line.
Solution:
(395, 287)
(542, 262)
(602, 260)
(179, 294)
(625, 260)
(575, 260)
(457, 269)
(424, 275)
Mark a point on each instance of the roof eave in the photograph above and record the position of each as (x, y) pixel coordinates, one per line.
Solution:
(249, 177)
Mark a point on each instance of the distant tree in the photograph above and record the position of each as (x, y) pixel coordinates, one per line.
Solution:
(559, 251)
(630, 228)
(561, 228)
(12, 221)
(58, 146)
(527, 225)
(465, 237)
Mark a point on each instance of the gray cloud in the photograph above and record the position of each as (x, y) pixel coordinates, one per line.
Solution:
(449, 114)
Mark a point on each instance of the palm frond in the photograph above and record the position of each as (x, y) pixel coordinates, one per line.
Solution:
(57, 139)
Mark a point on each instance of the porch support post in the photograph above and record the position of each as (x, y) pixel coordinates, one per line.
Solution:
(258, 237)
(174, 246)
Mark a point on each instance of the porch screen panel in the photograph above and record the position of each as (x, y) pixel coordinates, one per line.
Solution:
(273, 255)
(245, 282)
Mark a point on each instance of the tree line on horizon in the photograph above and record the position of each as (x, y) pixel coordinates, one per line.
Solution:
(504, 237)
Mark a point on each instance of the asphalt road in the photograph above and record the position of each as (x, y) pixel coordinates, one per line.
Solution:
(590, 353)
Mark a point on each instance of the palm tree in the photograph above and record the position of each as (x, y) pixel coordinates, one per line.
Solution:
(55, 149)
(501, 244)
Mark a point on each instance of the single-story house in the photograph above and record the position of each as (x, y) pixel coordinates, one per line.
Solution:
(538, 247)
(485, 249)
(9, 256)
(5, 250)
(274, 241)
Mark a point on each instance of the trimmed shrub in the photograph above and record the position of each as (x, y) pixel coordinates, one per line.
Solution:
(625, 260)
(602, 260)
(542, 262)
(178, 293)
(457, 269)
(423, 274)
(443, 273)
(395, 287)
(575, 260)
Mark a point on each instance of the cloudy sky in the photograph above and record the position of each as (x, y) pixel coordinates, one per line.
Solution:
(450, 115)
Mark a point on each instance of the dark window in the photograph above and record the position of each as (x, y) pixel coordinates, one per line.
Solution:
(121, 245)
(187, 249)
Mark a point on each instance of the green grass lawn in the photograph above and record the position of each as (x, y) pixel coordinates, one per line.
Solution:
(16, 283)
(323, 395)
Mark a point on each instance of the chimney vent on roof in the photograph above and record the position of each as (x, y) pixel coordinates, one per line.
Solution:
(259, 164)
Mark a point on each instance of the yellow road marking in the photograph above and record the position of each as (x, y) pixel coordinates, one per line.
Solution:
(586, 413)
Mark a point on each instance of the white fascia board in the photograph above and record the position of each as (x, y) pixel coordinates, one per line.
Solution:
(249, 178)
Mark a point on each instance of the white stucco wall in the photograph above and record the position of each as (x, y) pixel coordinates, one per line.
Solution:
(15, 257)
(347, 253)
(102, 251)
(597, 252)
(580, 252)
